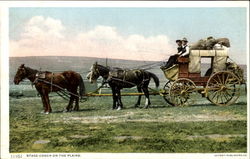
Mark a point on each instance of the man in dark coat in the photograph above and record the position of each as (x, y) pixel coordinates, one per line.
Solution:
(174, 57)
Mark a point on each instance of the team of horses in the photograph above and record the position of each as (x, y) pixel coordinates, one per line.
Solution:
(117, 78)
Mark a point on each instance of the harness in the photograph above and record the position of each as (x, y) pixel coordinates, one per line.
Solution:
(40, 77)
(112, 77)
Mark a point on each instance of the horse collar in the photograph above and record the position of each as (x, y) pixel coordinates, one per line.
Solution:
(40, 75)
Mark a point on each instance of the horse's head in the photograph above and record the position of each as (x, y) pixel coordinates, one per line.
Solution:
(94, 73)
(20, 74)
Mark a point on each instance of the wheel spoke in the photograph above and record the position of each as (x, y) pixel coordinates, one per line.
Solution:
(216, 82)
(227, 96)
(227, 79)
(214, 94)
(219, 79)
(217, 97)
(231, 93)
(220, 98)
(223, 78)
(234, 83)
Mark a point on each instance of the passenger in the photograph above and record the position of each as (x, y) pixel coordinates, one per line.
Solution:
(182, 51)
(185, 48)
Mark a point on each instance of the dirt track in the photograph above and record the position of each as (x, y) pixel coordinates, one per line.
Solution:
(134, 117)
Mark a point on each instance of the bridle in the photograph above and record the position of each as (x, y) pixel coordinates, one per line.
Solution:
(24, 74)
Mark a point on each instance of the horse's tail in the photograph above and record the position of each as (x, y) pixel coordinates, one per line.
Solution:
(82, 87)
(156, 79)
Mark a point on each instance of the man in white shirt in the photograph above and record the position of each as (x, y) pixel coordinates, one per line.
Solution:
(185, 48)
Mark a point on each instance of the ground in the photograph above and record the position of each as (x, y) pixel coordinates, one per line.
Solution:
(199, 127)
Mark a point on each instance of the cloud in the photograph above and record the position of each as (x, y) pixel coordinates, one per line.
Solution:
(45, 36)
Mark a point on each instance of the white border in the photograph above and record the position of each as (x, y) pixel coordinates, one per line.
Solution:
(5, 5)
(134, 4)
(4, 81)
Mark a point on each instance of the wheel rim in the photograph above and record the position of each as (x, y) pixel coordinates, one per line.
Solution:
(223, 88)
(166, 94)
(180, 91)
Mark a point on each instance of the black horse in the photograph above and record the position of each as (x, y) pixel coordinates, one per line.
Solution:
(118, 78)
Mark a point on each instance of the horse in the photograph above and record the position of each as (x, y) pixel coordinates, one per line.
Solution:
(118, 78)
(46, 82)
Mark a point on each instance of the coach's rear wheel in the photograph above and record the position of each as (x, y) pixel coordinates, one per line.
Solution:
(223, 88)
(166, 94)
(180, 91)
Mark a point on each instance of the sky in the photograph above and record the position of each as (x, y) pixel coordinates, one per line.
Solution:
(122, 33)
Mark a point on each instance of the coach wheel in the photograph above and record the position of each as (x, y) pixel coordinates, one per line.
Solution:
(223, 88)
(166, 94)
(180, 91)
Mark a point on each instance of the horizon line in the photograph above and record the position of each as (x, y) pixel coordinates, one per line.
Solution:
(84, 56)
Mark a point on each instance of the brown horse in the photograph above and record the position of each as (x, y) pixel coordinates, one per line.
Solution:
(53, 82)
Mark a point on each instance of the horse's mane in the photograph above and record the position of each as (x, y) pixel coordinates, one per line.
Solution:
(34, 71)
(31, 70)
(104, 67)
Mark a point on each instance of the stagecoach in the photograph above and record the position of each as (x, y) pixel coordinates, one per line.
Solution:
(220, 85)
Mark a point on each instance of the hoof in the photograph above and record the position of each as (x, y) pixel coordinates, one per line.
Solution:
(46, 113)
(137, 105)
(119, 108)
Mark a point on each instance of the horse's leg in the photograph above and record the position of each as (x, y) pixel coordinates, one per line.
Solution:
(44, 103)
(76, 108)
(114, 97)
(139, 97)
(71, 100)
(119, 100)
(147, 101)
(76, 98)
(39, 90)
(47, 102)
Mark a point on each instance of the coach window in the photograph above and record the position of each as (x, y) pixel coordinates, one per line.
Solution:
(206, 66)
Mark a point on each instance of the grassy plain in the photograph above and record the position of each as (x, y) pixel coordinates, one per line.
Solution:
(201, 127)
